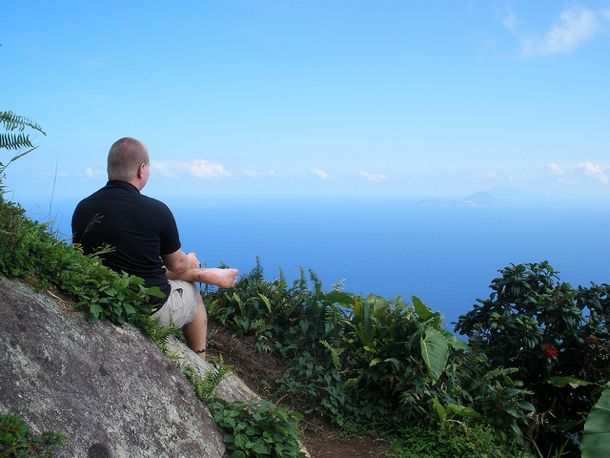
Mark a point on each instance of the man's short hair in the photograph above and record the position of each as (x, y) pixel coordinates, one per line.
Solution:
(124, 158)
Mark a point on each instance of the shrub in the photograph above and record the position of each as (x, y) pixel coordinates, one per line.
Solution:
(257, 428)
(455, 440)
(28, 250)
(367, 363)
(557, 339)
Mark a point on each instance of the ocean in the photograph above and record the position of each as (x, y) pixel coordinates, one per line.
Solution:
(446, 255)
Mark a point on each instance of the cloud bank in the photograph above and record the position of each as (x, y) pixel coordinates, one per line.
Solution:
(369, 176)
(574, 27)
(320, 173)
(197, 168)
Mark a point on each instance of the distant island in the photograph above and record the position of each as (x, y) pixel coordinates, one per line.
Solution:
(477, 199)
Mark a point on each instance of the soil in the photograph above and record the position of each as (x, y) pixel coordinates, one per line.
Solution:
(259, 372)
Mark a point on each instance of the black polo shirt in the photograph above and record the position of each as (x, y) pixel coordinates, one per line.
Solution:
(138, 228)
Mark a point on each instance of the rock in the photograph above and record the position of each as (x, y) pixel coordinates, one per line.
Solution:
(107, 388)
(231, 388)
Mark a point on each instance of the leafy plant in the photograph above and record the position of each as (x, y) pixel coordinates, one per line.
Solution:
(14, 138)
(16, 439)
(368, 363)
(101, 292)
(205, 387)
(455, 440)
(555, 336)
(257, 428)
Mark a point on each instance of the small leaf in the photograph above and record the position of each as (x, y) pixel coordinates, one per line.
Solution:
(374, 362)
(463, 411)
(562, 381)
(95, 309)
(422, 309)
(440, 411)
(266, 301)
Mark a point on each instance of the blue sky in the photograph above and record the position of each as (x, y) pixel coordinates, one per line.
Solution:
(331, 98)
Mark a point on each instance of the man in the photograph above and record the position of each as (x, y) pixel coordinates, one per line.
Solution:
(144, 239)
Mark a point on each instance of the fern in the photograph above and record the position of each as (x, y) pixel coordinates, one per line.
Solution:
(10, 140)
(12, 121)
(15, 141)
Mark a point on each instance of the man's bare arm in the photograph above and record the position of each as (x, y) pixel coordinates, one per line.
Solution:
(225, 278)
(179, 262)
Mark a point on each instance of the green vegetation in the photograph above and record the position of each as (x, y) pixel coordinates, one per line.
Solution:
(14, 136)
(16, 439)
(257, 428)
(556, 337)
(536, 362)
(455, 440)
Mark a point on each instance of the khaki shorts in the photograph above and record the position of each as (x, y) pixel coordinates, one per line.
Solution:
(181, 304)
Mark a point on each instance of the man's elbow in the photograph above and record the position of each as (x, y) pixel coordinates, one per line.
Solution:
(176, 262)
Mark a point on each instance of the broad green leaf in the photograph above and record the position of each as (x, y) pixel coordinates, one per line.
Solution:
(266, 301)
(422, 309)
(340, 297)
(562, 381)
(434, 352)
(596, 438)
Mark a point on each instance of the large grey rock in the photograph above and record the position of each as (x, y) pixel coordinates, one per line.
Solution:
(108, 389)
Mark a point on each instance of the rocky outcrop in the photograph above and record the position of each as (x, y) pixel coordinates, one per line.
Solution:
(107, 388)
(231, 388)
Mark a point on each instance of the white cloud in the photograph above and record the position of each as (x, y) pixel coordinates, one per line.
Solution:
(510, 20)
(584, 172)
(320, 173)
(494, 176)
(260, 173)
(372, 176)
(197, 168)
(575, 26)
(94, 172)
(556, 169)
(594, 171)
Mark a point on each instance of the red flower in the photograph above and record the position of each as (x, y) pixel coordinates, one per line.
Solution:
(592, 340)
(550, 350)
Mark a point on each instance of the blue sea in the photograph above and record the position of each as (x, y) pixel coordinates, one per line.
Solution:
(445, 255)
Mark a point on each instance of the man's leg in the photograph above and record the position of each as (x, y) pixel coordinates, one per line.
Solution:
(196, 331)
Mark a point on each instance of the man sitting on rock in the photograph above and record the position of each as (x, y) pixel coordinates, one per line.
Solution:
(144, 241)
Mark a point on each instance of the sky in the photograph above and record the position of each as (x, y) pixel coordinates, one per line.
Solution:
(313, 98)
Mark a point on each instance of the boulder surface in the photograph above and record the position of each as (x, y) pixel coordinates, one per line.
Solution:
(107, 388)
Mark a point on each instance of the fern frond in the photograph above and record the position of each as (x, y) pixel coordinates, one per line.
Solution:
(15, 141)
(12, 121)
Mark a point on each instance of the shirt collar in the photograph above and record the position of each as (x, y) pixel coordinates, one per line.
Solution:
(122, 184)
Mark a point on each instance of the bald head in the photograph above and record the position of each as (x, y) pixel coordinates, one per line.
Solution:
(125, 157)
